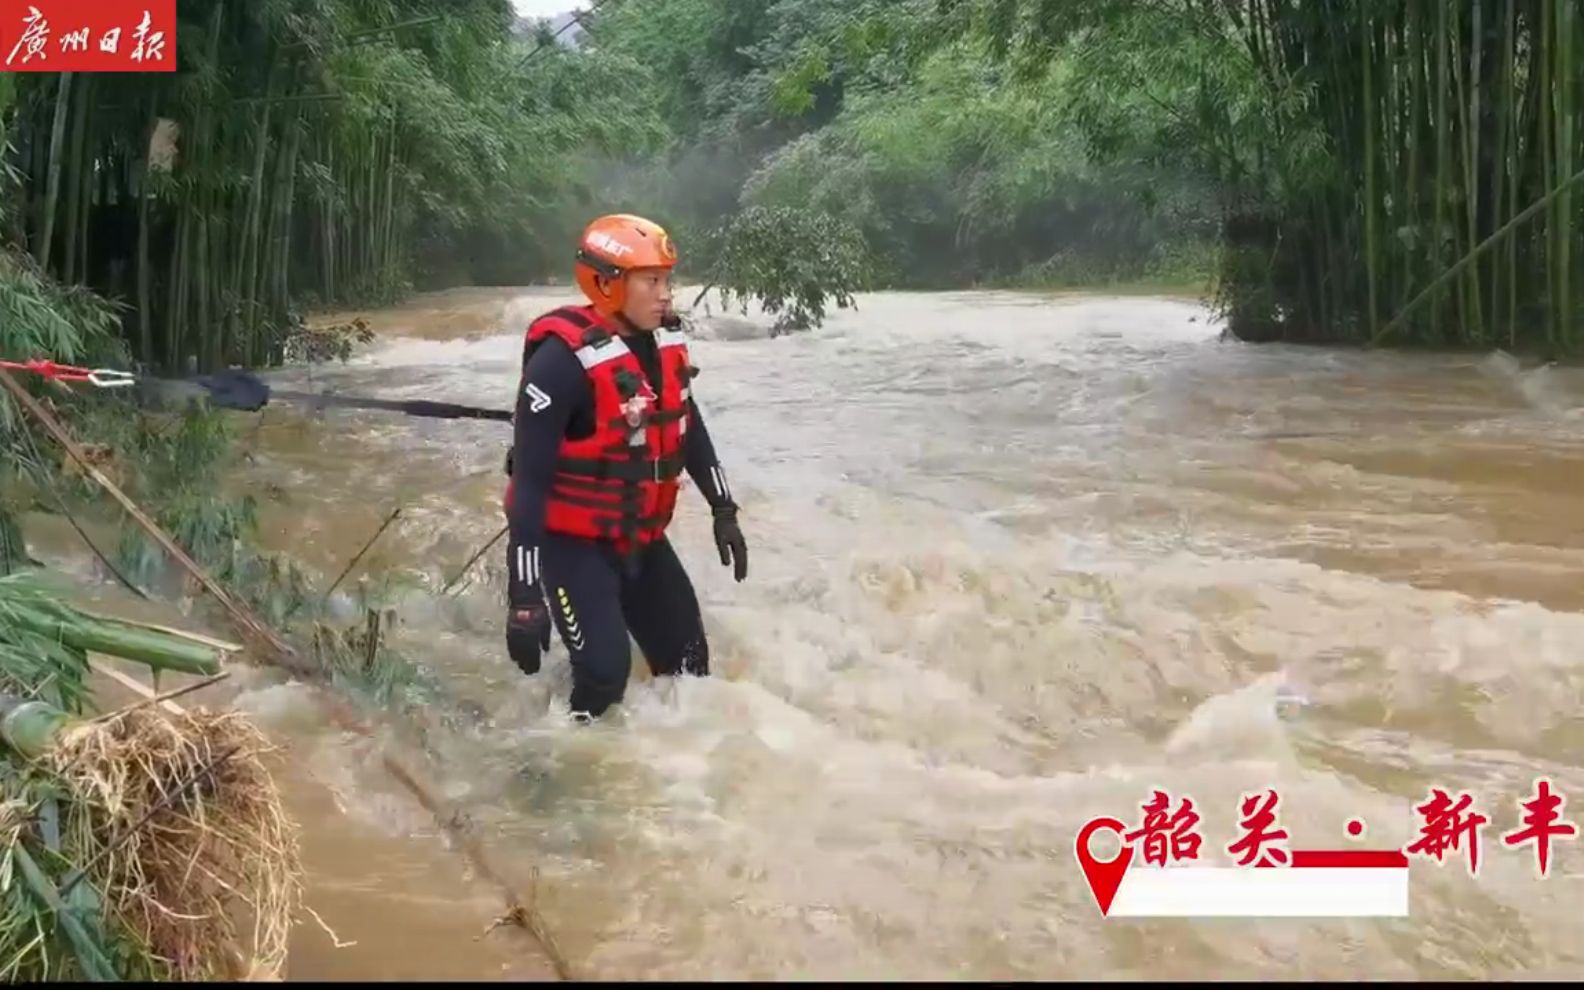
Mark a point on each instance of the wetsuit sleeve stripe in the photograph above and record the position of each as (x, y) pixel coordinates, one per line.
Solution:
(702, 464)
(554, 389)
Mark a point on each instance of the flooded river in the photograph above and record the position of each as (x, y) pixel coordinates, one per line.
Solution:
(1015, 562)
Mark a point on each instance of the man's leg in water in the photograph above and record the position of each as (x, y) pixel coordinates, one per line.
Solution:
(662, 611)
(584, 591)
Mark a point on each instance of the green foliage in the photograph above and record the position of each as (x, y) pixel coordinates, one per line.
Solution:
(792, 261)
(895, 119)
(40, 317)
(966, 178)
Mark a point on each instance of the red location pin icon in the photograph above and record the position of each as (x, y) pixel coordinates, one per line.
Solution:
(1104, 876)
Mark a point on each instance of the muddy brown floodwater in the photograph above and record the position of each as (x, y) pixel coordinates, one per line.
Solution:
(1016, 561)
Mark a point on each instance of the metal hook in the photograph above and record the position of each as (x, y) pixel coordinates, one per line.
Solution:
(110, 378)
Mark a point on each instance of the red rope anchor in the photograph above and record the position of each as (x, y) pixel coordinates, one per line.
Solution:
(98, 377)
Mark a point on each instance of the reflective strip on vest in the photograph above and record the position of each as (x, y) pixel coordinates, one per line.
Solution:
(596, 354)
(670, 338)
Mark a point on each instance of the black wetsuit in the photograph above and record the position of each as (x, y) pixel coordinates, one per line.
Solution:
(595, 599)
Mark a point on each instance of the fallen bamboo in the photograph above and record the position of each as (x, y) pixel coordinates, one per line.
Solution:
(458, 825)
(251, 626)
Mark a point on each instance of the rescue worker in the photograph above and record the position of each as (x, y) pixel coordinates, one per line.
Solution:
(605, 423)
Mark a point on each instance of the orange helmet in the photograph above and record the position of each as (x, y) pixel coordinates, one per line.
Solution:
(611, 247)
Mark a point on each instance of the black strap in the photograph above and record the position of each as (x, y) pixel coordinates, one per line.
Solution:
(628, 469)
(602, 500)
(629, 519)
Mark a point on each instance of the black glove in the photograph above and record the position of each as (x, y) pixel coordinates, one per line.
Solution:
(528, 635)
(729, 541)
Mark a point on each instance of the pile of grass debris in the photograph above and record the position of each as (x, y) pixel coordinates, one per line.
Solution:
(144, 844)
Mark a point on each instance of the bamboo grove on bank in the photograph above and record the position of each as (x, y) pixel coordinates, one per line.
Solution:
(1458, 225)
(291, 158)
(1391, 171)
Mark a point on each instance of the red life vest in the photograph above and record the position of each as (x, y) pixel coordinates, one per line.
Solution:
(620, 482)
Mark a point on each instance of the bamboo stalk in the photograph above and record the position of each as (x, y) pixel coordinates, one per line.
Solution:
(144, 276)
(154, 650)
(459, 827)
(1471, 193)
(1548, 161)
(177, 279)
(1371, 257)
(1567, 83)
(1441, 155)
(86, 175)
(1504, 178)
(219, 645)
(52, 188)
(1415, 139)
(74, 184)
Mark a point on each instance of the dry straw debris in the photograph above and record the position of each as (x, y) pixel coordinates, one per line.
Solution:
(174, 821)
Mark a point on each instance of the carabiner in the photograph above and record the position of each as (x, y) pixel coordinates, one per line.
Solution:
(110, 378)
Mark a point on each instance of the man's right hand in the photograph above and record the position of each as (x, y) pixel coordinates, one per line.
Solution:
(528, 635)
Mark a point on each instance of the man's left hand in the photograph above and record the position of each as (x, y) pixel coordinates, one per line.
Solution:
(729, 541)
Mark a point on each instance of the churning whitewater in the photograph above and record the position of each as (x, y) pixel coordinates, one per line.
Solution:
(1016, 561)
